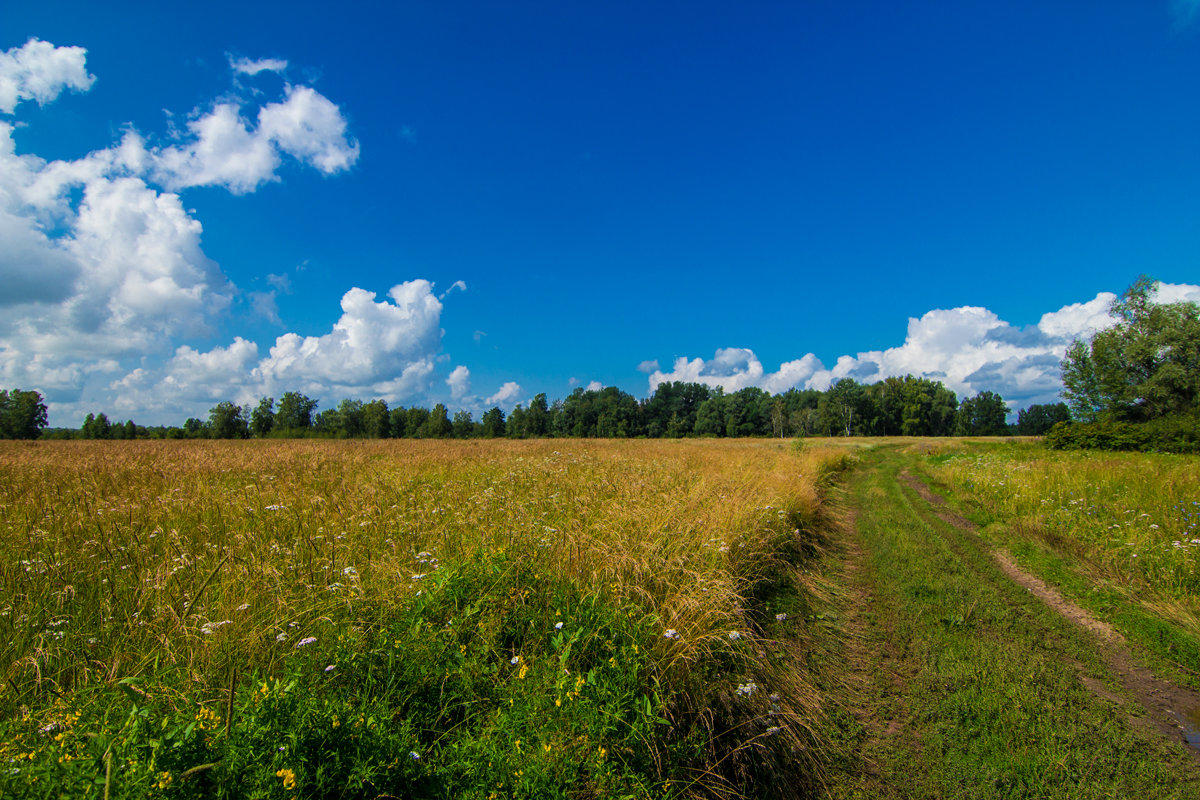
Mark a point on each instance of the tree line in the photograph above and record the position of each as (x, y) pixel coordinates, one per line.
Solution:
(906, 406)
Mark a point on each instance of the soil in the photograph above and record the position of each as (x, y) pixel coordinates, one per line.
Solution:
(1171, 709)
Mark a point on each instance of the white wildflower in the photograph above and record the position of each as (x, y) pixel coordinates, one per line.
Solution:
(306, 641)
(671, 634)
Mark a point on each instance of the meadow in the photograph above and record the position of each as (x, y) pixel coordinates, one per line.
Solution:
(416, 619)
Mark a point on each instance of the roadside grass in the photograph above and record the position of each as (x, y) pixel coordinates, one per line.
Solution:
(1119, 533)
(970, 687)
(420, 619)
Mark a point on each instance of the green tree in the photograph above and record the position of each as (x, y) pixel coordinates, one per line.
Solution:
(537, 417)
(514, 428)
(193, 428)
(1039, 419)
(226, 421)
(462, 426)
(414, 422)
(982, 415)
(492, 424)
(328, 423)
(262, 418)
(1145, 367)
(845, 401)
(710, 416)
(398, 422)
(96, 427)
(376, 420)
(295, 412)
(438, 425)
(350, 417)
(22, 414)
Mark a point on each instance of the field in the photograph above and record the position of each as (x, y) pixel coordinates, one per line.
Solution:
(597, 619)
(500, 619)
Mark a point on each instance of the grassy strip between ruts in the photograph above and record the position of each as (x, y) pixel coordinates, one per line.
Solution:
(322, 620)
(961, 683)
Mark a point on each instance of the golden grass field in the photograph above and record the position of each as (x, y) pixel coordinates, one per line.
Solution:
(197, 562)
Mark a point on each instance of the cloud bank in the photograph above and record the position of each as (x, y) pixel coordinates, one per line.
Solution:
(969, 349)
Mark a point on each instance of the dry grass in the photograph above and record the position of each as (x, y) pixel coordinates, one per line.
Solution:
(132, 558)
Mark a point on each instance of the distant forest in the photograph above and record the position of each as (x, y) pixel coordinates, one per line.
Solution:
(906, 406)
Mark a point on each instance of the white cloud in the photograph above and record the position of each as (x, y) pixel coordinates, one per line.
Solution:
(310, 128)
(506, 395)
(969, 349)
(1177, 293)
(381, 347)
(33, 269)
(459, 383)
(594, 386)
(40, 71)
(246, 66)
(102, 270)
(224, 150)
(648, 366)
(1079, 318)
(460, 285)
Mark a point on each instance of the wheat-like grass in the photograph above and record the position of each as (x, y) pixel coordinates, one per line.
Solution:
(129, 558)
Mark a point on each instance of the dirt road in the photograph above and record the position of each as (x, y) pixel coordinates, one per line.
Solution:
(961, 675)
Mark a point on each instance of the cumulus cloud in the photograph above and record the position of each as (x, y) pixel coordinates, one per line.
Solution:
(506, 396)
(225, 149)
(33, 269)
(382, 347)
(40, 71)
(459, 383)
(102, 265)
(737, 368)
(969, 349)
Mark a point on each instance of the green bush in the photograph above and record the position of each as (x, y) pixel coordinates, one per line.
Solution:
(1173, 434)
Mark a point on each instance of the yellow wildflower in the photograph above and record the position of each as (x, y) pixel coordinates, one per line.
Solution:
(289, 779)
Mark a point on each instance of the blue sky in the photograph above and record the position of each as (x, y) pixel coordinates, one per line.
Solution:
(196, 204)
